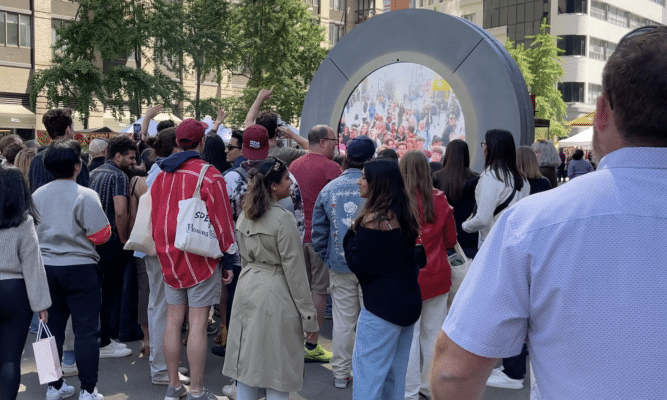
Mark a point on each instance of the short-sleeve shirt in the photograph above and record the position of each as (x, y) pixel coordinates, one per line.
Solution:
(109, 181)
(313, 171)
(581, 270)
(286, 154)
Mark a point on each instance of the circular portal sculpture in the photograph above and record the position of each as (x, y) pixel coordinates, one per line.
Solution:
(488, 84)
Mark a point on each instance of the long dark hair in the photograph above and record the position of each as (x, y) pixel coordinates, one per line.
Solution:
(456, 170)
(15, 199)
(418, 182)
(260, 178)
(387, 196)
(501, 157)
(214, 153)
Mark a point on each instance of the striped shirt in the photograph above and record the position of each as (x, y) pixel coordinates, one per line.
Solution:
(181, 269)
(109, 181)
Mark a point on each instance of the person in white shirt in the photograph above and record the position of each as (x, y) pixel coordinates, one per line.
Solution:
(580, 269)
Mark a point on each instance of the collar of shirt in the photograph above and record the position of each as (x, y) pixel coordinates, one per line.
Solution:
(636, 157)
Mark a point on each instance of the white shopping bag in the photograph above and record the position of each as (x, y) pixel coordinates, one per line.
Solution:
(141, 237)
(194, 232)
(46, 356)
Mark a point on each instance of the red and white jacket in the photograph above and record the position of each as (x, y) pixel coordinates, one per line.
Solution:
(181, 269)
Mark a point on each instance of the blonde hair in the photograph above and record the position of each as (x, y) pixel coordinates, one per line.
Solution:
(23, 160)
(418, 182)
(526, 162)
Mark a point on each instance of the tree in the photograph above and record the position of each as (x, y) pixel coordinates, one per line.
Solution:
(196, 35)
(542, 69)
(103, 32)
(281, 42)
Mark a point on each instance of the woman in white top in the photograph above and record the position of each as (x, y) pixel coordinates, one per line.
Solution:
(500, 180)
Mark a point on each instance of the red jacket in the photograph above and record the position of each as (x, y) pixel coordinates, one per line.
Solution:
(436, 278)
(180, 269)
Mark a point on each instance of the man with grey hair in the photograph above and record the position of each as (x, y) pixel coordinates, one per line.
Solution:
(312, 172)
(579, 270)
(98, 152)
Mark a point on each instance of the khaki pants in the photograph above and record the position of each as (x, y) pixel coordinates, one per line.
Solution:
(346, 303)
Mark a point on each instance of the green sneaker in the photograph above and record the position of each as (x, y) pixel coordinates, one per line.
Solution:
(318, 355)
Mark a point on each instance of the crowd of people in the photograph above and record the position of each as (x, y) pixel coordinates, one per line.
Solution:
(289, 227)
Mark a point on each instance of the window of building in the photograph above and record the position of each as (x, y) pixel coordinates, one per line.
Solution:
(365, 10)
(574, 45)
(15, 30)
(335, 33)
(597, 49)
(469, 17)
(617, 16)
(338, 5)
(594, 91)
(598, 10)
(573, 92)
(661, 2)
(571, 6)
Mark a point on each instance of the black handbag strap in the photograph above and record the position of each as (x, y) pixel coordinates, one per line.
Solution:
(504, 204)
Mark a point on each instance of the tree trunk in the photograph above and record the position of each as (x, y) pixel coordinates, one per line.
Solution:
(197, 109)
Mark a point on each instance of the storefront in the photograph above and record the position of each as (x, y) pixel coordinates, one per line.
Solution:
(16, 119)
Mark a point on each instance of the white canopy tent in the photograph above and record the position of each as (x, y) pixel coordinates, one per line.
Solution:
(583, 139)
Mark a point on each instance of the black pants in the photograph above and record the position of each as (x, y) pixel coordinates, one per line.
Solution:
(15, 315)
(515, 367)
(75, 290)
(112, 264)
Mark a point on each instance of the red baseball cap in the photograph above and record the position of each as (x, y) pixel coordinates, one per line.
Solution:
(190, 130)
(255, 142)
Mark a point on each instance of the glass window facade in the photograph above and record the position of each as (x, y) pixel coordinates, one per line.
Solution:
(15, 29)
(573, 92)
(335, 33)
(365, 10)
(573, 45)
(594, 91)
(521, 17)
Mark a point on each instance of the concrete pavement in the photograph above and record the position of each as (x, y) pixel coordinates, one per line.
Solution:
(129, 378)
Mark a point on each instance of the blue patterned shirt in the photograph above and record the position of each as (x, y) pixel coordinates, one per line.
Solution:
(109, 181)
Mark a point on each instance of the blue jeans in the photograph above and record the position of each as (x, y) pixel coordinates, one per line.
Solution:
(75, 290)
(380, 358)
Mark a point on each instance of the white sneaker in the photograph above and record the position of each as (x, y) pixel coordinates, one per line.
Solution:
(64, 392)
(114, 351)
(84, 395)
(164, 379)
(500, 380)
(118, 344)
(230, 390)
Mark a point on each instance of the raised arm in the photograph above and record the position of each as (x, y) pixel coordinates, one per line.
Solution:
(263, 94)
(219, 120)
(288, 133)
(151, 113)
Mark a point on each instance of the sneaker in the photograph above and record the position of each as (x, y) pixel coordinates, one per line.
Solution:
(64, 392)
(219, 351)
(164, 379)
(118, 344)
(342, 383)
(114, 351)
(500, 380)
(211, 329)
(69, 370)
(318, 354)
(184, 370)
(205, 395)
(85, 395)
(230, 390)
(175, 393)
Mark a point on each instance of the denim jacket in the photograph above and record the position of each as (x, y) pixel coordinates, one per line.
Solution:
(337, 205)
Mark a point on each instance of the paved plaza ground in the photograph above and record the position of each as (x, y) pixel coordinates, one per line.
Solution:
(128, 378)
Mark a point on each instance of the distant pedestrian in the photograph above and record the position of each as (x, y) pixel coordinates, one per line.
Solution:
(579, 165)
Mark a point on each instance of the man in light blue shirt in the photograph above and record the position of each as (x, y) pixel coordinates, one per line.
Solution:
(579, 270)
(336, 207)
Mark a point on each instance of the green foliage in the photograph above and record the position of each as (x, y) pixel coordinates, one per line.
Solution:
(542, 69)
(236, 112)
(281, 42)
(201, 30)
(67, 83)
(547, 68)
(105, 32)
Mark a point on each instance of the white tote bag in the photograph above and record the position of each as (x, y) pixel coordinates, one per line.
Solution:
(194, 232)
(141, 237)
(46, 356)
(460, 265)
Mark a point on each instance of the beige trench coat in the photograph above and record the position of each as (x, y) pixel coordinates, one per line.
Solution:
(272, 306)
